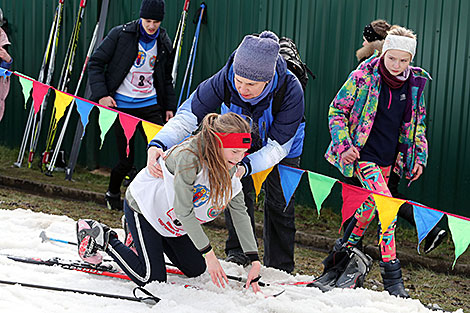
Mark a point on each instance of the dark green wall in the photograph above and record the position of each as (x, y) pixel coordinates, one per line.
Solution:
(327, 33)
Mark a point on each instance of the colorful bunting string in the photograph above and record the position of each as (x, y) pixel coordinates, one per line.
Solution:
(353, 197)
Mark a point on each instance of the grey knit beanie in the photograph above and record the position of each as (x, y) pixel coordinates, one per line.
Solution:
(256, 57)
(152, 10)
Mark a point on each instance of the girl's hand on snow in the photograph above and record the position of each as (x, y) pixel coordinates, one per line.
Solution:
(215, 269)
(253, 275)
(153, 153)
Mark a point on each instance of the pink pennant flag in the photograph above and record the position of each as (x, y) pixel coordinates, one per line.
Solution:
(39, 92)
(129, 124)
(353, 197)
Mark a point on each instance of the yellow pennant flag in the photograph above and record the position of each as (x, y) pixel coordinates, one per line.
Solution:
(258, 180)
(150, 130)
(387, 209)
(61, 102)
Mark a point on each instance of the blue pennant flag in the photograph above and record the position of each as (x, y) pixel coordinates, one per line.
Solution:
(83, 109)
(425, 219)
(4, 72)
(290, 178)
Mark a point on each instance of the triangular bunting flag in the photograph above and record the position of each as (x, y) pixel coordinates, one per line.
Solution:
(105, 120)
(425, 219)
(150, 130)
(320, 186)
(459, 229)
(4, 72)
(353, 198)
(83, 108)
(39, 92)
(290, 178)
(128, 124)
(387, 208)
(26, 85)
(62, 101)
(258, 180)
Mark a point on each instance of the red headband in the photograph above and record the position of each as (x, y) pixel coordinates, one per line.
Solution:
(235, 140)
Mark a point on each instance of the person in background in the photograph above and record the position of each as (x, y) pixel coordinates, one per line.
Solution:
(165, 214)
(131, 72)
(377, 126)
(374, 35)
(248, 85)
(5, 62)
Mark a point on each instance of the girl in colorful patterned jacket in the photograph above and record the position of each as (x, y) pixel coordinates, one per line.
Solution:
(164, 215)
(377, 125)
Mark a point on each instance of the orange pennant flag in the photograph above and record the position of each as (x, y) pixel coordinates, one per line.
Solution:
(387, 208)
(150, 130)
(258, 180)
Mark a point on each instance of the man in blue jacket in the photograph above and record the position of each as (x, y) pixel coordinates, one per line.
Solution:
(253, 80)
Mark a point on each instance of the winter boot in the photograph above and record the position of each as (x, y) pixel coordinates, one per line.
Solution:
(238, 257)
(113, 201)
(92, 236)
(355, 271)
(433, 239)
(392, 278)
(129, 241)
(334, 264)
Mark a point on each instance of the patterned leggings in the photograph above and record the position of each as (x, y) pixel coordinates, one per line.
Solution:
(373, 177)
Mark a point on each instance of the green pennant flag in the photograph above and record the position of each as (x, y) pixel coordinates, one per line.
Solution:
(105, 120)
(459, 229)
(26, 85)
(320, 186)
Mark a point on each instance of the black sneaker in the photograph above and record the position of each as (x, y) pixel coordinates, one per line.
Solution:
(113, 201)
(238, 257)
(434, 239)
(129, 177)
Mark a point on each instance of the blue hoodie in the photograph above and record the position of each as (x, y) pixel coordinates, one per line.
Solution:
(281, 135)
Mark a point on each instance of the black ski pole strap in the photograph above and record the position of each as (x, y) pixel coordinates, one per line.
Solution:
(150, 299)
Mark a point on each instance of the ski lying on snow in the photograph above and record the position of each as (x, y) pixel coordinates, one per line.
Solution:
(102, 269)
(76, 265)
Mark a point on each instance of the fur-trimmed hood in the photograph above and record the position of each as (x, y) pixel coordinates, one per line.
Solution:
(366, 51)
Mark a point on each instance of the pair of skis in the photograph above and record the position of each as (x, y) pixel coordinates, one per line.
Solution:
(33, 123)
(97, 37)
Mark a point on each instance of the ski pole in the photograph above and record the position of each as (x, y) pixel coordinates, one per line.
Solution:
(44, 237)
(196, 39)
(190, 58)
(77, 140)
(69, 112)
(150, 299)
(47, 54)
(179, 43)
(36, 126)
(64, 80)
